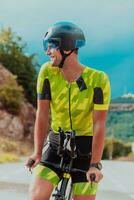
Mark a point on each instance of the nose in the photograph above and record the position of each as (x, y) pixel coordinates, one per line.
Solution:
(48, 52)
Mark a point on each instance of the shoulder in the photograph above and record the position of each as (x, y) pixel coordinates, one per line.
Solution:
(98, 76)
(96, 73)
(47, 69)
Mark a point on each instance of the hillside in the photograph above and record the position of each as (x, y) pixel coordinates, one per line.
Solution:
(16, 114)
(122, 107)
(120, 123)
(125, 99)
(123, 103)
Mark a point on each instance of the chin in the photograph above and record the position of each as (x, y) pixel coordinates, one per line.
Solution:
(55, 64)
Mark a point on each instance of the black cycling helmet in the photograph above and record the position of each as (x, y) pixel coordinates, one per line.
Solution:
(65, 36)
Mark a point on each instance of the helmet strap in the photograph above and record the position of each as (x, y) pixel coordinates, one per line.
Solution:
(64, 56)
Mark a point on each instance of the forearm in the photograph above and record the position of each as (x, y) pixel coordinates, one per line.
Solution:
(98, 143)
(40, 132)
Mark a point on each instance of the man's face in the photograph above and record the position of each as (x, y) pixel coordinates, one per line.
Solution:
(54, 54)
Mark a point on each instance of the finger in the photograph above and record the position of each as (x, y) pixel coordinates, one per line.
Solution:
(27, 162)
(91, 177)
(87, 176)
(35, 163)
(99, 177)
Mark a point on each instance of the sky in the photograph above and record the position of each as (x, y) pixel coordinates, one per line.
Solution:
(108, 27)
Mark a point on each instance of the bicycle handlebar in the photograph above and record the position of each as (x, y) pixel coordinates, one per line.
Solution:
(92, 176)
(30, 163)
(62, 147)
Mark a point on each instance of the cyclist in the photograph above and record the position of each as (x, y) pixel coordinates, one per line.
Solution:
(78, 98)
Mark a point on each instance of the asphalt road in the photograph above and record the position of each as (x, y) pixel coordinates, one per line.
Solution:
(118, 182)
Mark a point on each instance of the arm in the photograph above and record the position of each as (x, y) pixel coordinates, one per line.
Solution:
(99, 121)
(101, 100)
(41, 125)
(40, 131)
(42, 115)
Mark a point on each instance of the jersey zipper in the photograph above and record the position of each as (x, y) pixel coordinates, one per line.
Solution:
(70, 117)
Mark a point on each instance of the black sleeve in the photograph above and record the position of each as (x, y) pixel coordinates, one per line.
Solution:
(98, 96)
(46, 91)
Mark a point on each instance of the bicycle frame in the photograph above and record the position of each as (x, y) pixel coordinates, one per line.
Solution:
(63, 190)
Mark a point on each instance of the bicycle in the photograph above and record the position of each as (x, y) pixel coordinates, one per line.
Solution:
(63, 191)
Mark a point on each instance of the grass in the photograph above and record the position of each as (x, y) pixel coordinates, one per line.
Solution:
(8, 157)
(130, 157)
(12, 150)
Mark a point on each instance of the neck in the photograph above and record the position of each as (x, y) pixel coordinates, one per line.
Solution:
(72, 70)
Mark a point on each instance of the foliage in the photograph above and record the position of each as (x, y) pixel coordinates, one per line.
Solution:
(120, 125)
(11, 97)
(8, 157)
(12, 56)
(11, 150)
(8, 145)
(115, 148)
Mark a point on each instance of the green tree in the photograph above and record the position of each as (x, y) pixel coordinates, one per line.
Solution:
(14, 58)
(120, 125)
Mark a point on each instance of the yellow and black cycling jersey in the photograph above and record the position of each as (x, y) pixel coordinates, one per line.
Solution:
(72, 104)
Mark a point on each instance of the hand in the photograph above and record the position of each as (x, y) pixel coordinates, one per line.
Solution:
(98, 174)
(32, 161)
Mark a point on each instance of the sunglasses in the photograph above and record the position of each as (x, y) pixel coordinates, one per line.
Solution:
(52, 44)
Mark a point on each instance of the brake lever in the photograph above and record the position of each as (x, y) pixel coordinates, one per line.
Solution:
(30, 164)
(92, 178)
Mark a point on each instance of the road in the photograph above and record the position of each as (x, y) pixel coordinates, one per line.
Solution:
(118, 181)
(117, 184)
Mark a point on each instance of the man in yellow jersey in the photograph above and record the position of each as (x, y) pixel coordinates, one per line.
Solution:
(78, 98)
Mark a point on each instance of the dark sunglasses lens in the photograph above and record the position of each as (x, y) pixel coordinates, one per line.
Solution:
(53, 43)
